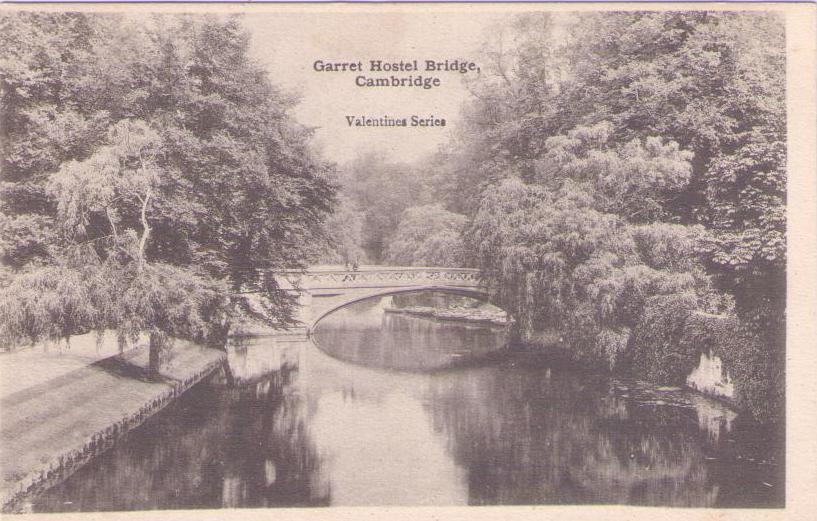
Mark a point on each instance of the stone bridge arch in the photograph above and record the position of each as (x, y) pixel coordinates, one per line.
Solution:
(329, 306)
(322, 291)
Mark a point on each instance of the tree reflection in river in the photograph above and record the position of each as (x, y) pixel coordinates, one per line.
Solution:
(365, 334)
(214, 448)
(304, 428)
(563, 439)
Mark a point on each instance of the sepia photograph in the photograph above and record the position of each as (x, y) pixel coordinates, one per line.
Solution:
(264, 257)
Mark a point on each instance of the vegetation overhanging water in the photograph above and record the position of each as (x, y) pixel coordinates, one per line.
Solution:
(358, 419)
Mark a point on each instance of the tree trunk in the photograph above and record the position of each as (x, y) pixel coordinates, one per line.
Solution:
(154, 356)
(145, 228)
(221, 336)
(228, 373)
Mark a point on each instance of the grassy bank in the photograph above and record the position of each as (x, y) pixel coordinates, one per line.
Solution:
(50, 430)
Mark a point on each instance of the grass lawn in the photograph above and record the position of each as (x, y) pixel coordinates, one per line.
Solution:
(60, 416)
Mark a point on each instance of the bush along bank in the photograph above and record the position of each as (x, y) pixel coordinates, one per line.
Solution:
(675, 344)
(621, 295)
(672, 337)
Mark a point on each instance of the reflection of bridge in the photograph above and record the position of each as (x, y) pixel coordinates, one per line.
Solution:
(324, 290)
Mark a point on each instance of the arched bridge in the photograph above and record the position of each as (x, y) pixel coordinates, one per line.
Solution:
(323, 290)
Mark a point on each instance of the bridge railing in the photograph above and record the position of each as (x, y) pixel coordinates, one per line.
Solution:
(387, 276)
(320, 277)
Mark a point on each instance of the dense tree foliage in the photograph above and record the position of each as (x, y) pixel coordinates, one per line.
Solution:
(158, 153)
(715, 83)
(564, 263)
(428, 235)
(380, 190)
(342, 239)
(711, 82)
(617, 177)
(624, 166)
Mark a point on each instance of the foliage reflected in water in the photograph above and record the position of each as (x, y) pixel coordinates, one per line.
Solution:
(365, 335)
(214, 448)
(304, 428)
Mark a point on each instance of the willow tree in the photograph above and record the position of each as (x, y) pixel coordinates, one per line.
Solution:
(712, 82)
(640, 86)
(173, 179)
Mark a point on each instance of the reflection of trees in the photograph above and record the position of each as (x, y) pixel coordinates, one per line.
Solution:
(245, 447)
(169, 462)
(255, 361)
(523, 433)
(405, 342)
(753, 455)
(530, 439)
(268, 447)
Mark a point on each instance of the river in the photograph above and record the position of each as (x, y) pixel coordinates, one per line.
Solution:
(390, 409)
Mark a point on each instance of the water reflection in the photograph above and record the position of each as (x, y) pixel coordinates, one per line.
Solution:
(567, 441)
(214, 448)
(304, 428)
(364, 334)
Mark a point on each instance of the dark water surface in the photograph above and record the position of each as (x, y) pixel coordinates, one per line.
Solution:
(361, 421)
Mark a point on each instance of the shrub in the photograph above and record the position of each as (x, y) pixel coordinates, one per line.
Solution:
(757, 373)
(611, 346)
(658, 355)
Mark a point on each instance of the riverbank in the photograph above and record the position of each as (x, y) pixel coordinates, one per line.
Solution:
(707, 379)
(51, 429)
(476, 316)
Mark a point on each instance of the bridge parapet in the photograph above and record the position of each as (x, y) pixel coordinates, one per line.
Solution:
(322, 290)
(371, 277)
